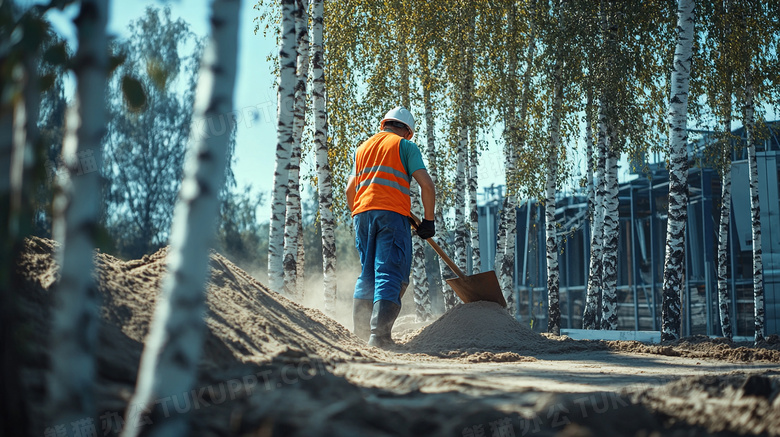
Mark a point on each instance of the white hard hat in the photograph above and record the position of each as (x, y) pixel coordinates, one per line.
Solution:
(399, 113)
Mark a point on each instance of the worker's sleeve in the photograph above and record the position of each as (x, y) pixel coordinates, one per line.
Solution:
(411, 157)
(354, 164)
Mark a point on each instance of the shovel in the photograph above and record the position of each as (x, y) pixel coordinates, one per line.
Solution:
(482, 286)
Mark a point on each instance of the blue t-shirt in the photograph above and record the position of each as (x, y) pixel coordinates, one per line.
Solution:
(411, 158)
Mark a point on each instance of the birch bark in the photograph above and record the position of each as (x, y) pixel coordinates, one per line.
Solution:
(324, 177)
(724, 299)
(473, 211)
(551, 228)
(724, 296)
(508, 233)
(77, 210)
(755, 210)
(591, 317)
(169, 361)
(284, 141)
(516, 140)
(611, 224)
(293, 222)
(674, 263)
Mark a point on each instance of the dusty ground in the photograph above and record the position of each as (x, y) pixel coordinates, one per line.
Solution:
(271, 367)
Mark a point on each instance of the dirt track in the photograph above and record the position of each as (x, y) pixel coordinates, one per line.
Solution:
(272, 367)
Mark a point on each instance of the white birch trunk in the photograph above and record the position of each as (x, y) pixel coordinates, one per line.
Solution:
(293, 220)
(172, 350)
(77, 210)
(284, 141)
(515, 140)
(506, 275)
(724, 298)
(324, 177)
(755, 210)
(609, 318)
(450, 299)
(433, 170)
(674, 262)
(473, 211)
(292, 226)
(591, 316)
(551, 228)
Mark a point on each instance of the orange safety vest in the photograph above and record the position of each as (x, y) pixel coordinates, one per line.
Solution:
(381, 181)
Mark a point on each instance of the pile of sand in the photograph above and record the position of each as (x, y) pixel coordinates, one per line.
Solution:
(484, 331)
(476, 326)
(246, 321)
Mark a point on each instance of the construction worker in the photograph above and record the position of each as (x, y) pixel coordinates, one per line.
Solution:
(378, 196)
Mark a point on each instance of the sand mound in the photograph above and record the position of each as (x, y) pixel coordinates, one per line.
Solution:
(246, 322)
(481, 331)
(476, 326)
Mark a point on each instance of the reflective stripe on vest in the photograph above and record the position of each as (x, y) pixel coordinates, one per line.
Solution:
(381, 181)
(378, 178)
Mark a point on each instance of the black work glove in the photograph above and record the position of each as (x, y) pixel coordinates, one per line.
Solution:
(426, 229)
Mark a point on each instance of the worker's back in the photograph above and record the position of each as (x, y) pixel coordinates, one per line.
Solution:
(382, 178)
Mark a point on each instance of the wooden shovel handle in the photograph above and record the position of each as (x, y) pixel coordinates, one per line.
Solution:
(438, 250)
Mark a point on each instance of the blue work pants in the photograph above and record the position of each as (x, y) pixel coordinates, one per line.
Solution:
(384, 242)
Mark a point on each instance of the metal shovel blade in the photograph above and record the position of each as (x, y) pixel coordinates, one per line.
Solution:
(482, 286)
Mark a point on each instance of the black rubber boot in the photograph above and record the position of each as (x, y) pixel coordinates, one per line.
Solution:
(382, 319)
(361, 318)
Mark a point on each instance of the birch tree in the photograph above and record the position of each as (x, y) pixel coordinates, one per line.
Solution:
(723, 234)
(678, 172)
(592, 315)
(748, 121)
(756, 73)
(169, 361)
(472, 207)
(551, 237)
(609, 221)
(324, 177)
(77, 210)
(623, 72)
(284, 141)
(717, 64)
(460, 75)
(515, 139)
(406, 30)
(293, 222)
(425, 311)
